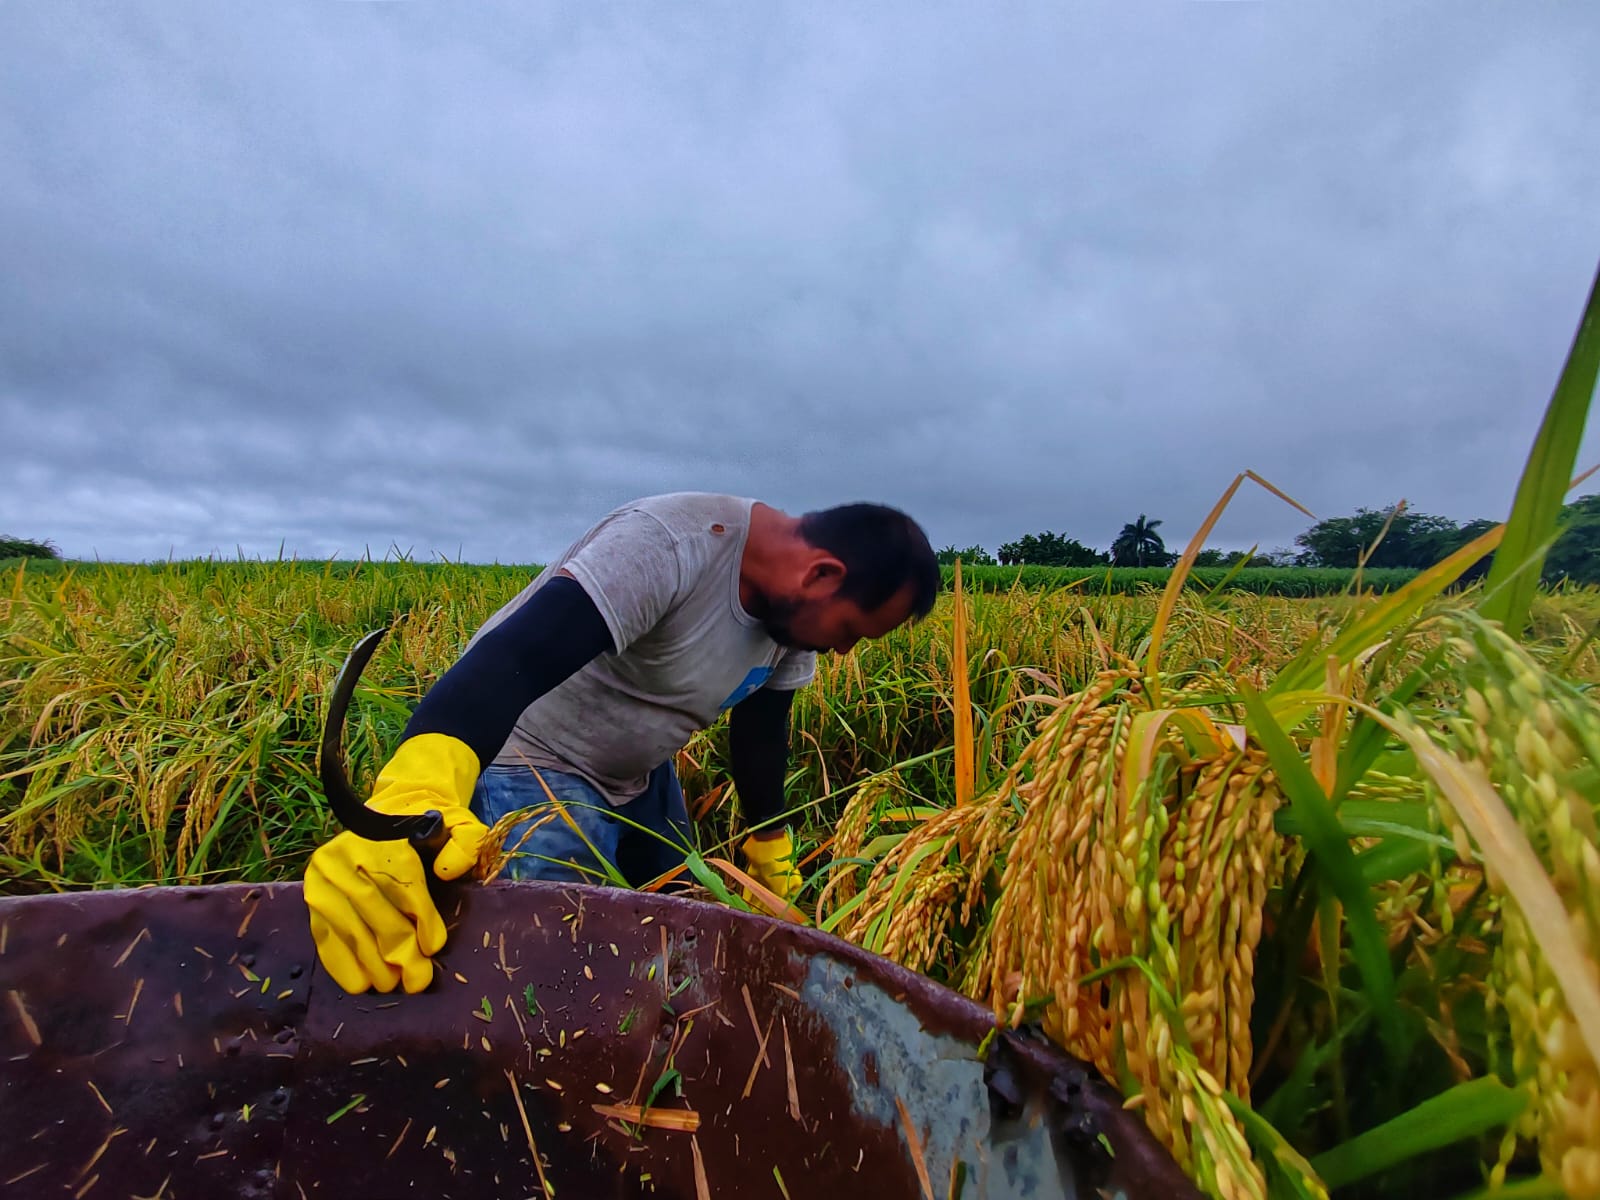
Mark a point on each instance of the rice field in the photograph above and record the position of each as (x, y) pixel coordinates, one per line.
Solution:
(1315, 882)
(159, 725)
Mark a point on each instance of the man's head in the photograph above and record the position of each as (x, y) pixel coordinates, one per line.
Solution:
(851, 572)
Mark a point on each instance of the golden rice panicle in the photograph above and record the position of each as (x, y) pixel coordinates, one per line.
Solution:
(1223, 1165)
(915, 935)
(1128, 910)
(1537, 740)
(494, 854)
(850, 837)
(1169, 870)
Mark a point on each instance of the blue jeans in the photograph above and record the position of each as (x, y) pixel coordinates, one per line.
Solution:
(556, 851)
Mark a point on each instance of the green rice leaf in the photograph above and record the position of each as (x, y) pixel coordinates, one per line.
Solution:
(1336, 866)
(1465, 1111)
(712, 882)
(1376, 624)
(1542, 1188)
(1514, 577)
(1290, 1173)
(1397, 858)
(1374, 818)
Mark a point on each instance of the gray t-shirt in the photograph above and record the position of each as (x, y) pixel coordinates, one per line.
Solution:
(664, 573)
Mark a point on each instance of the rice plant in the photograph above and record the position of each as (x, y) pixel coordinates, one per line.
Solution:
(1325, 919)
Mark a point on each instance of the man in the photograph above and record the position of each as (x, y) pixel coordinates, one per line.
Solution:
(670, 611)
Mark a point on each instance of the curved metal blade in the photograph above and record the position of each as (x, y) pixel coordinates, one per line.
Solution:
(347, 806)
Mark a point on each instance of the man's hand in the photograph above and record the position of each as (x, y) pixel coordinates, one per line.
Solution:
(771, 860)
(372, 919)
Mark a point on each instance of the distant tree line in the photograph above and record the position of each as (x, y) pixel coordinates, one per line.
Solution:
(15, 547)
(1138, 545)
(1409, 540)
(1576, 552)
(1418, 540)
(1050, 550)
(1388, 537)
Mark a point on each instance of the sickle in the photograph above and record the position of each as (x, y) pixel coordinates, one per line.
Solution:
(425, 831)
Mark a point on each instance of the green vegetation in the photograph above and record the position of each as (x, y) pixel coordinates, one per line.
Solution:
(972, 555)
(1139, 545)
(1395, 536)
(1049, 550)
(1392, 539)
(159, 725)
(1329, 912)
(1575, 556)
(1262, 581)
(15, 547)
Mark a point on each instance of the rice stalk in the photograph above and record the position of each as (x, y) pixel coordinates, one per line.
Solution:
(1134, 849)
(1515, 773)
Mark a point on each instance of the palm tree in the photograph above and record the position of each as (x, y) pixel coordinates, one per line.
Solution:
(1138, 544)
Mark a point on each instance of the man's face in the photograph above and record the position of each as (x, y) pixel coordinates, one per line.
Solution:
(823, 621)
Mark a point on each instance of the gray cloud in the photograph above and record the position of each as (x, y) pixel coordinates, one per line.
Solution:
(344, 277)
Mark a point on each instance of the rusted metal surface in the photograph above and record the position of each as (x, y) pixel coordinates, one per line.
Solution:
(185, 1043)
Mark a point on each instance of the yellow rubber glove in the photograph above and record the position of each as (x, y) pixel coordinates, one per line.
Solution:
(771, 862)
(372, 919)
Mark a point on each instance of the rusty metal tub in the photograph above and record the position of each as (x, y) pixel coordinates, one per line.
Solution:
(578, 1041)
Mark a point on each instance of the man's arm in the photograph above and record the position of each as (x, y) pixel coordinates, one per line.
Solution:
(758, 749)
(478, 700)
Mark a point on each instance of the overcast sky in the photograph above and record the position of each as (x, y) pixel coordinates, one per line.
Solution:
(458, 279)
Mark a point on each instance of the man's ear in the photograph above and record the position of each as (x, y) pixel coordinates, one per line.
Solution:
(823, 575)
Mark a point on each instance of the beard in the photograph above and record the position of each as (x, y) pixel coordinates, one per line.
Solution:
(777, 619)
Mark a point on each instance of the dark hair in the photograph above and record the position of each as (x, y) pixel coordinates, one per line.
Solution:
(882, 550)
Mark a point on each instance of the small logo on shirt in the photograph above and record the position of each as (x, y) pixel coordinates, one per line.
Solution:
(752, 681)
